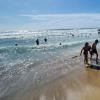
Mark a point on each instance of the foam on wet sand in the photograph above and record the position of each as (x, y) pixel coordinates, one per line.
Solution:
(65, 78)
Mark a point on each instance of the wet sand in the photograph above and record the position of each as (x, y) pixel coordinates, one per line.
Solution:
(75, 82)
(80, 84)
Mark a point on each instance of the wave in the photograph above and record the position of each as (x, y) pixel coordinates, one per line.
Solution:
(23, 49)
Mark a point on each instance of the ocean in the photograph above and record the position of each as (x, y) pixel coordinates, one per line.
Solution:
(19, 53)
(58, 42)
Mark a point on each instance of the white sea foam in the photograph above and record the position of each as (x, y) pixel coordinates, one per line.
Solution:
(30, 33)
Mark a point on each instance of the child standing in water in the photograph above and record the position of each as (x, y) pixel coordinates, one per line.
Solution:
(85, 51)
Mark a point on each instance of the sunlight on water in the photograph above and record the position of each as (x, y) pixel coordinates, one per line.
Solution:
(19, 53)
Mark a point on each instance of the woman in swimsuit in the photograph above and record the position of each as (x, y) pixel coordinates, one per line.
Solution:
(85, 51)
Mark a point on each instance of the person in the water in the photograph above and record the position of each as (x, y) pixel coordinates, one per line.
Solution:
(86, 49)
(45, 40)
(37, 41)
(16, 44)
(94, 50)
(60, 43)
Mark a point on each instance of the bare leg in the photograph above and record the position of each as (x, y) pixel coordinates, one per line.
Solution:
(91, 55)
(96, 58)
(85, 59)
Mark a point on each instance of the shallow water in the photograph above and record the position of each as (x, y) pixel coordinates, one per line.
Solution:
(28, 50)
(81, 84)
(28, 64)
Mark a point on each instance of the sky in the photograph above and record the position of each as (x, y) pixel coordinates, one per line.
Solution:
(41, 14)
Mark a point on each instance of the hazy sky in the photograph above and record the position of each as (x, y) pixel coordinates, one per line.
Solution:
(36, 14)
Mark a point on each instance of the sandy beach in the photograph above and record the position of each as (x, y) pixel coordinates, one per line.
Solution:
(42, 48)
(81, 84)
(71, 80)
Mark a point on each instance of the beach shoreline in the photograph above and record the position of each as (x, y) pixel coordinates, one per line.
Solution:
(63, 71)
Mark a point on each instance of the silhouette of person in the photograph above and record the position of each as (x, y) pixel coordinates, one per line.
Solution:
(94, 50)
(37, 41)
(85, 51)
(16, 44)
(72, 35)
(45, 39)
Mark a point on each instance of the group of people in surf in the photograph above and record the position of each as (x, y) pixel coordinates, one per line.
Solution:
(88, 49)
(37, 41)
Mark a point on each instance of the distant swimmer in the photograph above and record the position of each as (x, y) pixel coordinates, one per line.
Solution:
(16, 44)
(37, 41)
(85, 51)
(90, 34)
(98, 31)
(72, 35)
(60, 44)
(45, 40)
(94, 50)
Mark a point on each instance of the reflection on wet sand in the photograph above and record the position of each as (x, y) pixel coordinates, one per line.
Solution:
(81, 84)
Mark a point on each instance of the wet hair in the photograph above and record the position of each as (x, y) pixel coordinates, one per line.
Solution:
(86, 44)
(96, 41)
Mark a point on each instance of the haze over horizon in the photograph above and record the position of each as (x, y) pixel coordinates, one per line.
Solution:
(49, 14)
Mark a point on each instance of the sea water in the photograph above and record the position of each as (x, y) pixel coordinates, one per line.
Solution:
(26, 49)
(59, 41)
(17, 59)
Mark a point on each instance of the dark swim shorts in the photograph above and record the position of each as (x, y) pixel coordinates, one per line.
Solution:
(93, 51)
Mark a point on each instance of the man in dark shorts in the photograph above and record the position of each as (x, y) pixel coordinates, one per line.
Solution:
(94, 50)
